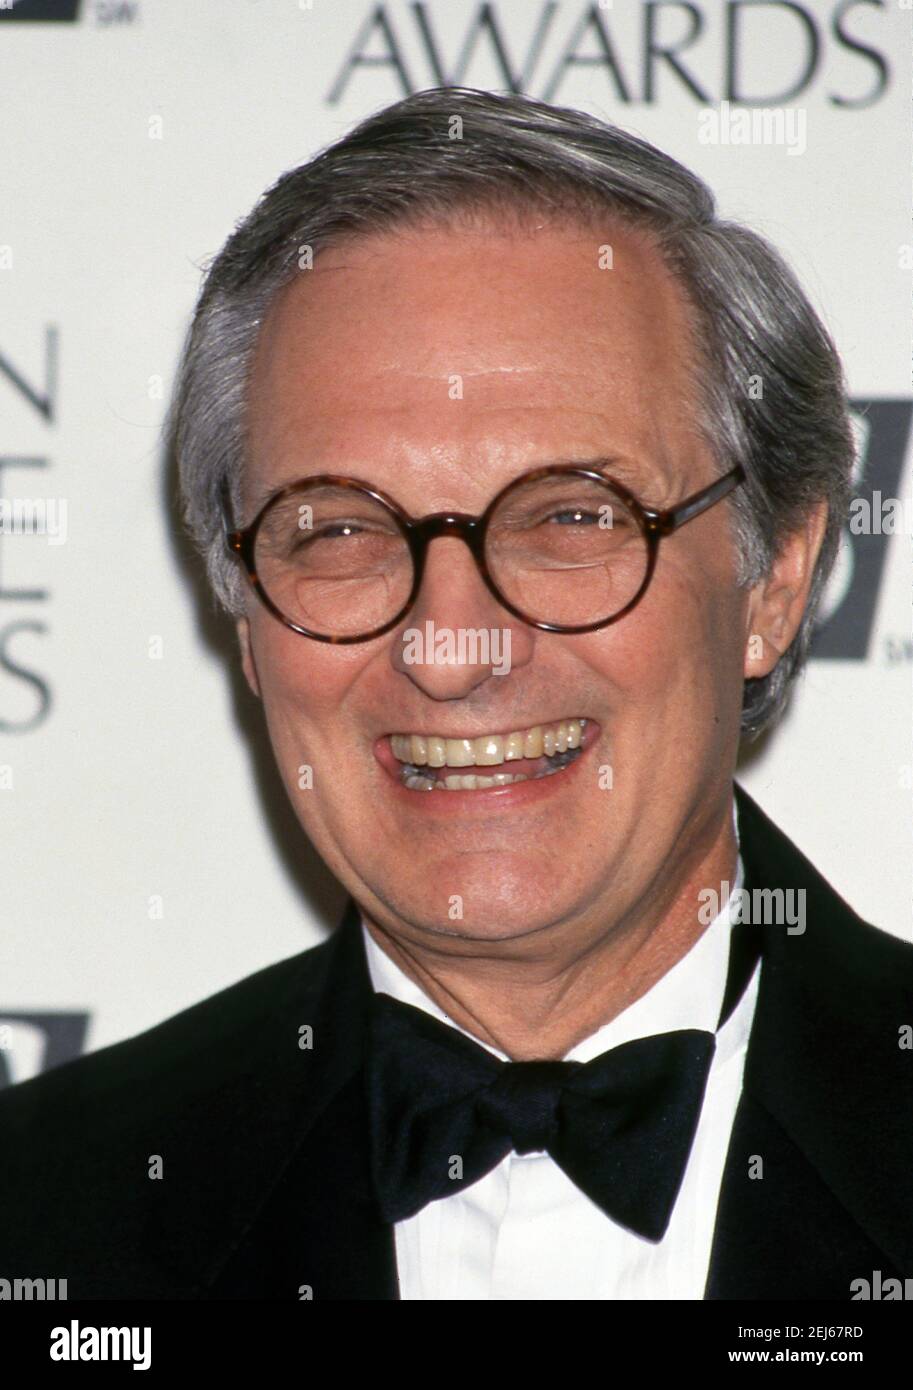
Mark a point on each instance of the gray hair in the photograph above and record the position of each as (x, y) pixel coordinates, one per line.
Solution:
(513, 154)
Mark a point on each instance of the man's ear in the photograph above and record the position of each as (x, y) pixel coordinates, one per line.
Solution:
(777, 602)
(248, 665)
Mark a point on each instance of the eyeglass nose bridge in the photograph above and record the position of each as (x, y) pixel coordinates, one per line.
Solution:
(458, 525)
(447, 523)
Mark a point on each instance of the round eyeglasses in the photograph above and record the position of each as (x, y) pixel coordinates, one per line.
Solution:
(565, 548)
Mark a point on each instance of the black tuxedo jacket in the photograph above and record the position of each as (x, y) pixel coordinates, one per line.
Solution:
(265, 1192)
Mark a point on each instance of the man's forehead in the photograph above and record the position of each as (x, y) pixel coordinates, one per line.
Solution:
(510, 365)
(642, 476)
(501, 304)
(470, 460)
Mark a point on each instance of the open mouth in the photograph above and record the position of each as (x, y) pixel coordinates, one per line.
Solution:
(431, 763)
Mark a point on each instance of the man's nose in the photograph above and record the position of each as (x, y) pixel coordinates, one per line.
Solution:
(457, 635)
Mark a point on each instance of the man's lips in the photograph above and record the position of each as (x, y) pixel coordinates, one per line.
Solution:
(537, 773)
(490, 749)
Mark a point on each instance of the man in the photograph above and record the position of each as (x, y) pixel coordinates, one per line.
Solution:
(471, 440)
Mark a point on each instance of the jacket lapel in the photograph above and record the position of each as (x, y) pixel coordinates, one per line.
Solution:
(825, 1099)
(316, 1233)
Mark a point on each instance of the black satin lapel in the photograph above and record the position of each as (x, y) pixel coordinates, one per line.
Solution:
(822, 1070)
(782, 1235)
(318, 1233)
(744, 951)
(320, 1236)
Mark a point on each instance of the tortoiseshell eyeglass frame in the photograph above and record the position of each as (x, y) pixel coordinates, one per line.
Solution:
(420, 531)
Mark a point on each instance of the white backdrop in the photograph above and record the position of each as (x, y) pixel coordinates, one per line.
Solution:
(148, 856)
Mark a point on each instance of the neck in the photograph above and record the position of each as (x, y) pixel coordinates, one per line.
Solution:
(539, 1006)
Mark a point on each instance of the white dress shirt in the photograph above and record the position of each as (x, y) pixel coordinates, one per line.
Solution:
(524, 1231)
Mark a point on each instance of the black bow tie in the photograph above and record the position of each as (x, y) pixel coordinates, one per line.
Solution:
(444, 1111)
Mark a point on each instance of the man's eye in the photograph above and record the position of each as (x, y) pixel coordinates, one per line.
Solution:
(574, 517)
(339, 528)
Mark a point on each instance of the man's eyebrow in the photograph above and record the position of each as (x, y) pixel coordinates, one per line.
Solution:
(638, 477)
(604, 463)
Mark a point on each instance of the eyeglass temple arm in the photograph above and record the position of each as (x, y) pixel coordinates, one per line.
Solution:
(693, 506)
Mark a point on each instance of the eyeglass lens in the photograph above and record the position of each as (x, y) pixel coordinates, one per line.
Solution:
(563, 550)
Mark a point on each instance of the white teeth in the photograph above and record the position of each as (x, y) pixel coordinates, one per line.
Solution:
(560, 742)
(418, 751)
(470, 782)
(513, 747)
(460, 752)
(490, 750)
(437, 752)
(532, 743)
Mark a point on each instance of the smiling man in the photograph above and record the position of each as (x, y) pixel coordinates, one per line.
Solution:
(492, 371)
(354, 377)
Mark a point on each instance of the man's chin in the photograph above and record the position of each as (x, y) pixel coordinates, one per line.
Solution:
(473, 916)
